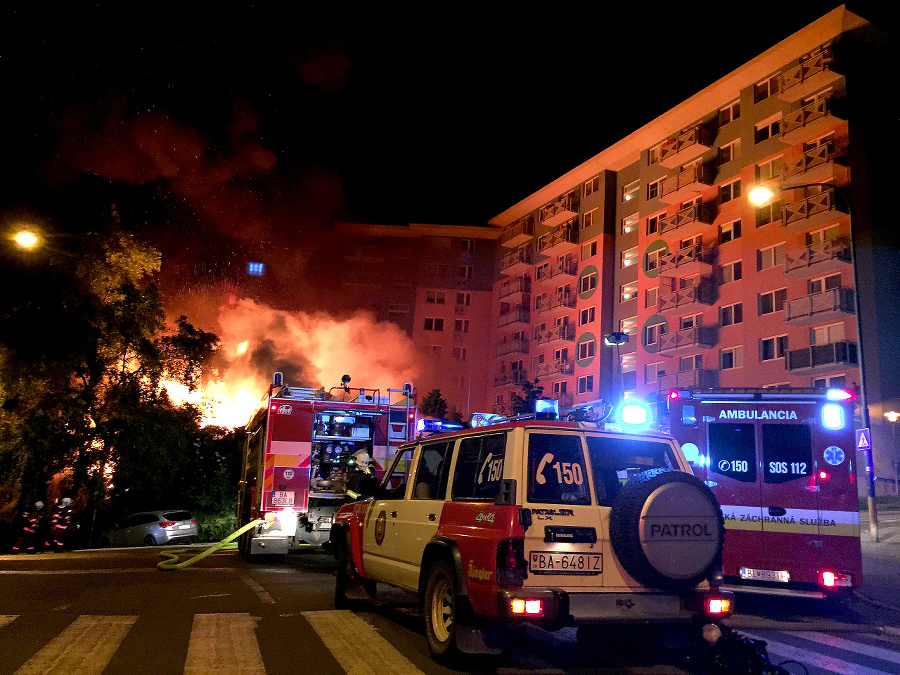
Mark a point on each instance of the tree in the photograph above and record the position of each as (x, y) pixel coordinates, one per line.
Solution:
(531, 391)
(434, 405)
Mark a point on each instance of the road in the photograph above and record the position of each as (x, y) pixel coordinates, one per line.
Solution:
(113, 612)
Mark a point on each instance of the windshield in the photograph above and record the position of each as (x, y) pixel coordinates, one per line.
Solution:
(616, 460)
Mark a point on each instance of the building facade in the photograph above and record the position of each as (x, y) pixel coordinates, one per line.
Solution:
(655, 238)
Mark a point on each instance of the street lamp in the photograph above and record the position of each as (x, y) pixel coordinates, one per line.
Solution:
(26, 239)
(616, 339)
(892, 417)
(761, 195)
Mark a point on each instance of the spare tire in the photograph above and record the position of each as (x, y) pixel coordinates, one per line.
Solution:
(667, 529)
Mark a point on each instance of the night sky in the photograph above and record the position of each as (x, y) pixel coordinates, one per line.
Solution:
(242, 131)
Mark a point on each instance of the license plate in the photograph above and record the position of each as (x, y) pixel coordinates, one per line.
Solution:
(184, 527)
(551, 562)
(751, 574)
(282, 498)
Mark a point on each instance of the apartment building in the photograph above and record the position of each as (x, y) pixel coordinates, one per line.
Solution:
(655, 238)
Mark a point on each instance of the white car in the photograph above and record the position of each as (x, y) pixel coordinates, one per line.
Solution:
(152, 528)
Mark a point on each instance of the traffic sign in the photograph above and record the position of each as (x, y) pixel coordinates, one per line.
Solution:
(863, 439)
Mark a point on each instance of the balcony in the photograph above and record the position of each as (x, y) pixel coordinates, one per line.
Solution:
(553, 368)
(810, 121)
(517, 262)
(687, 221)
(512, 378)
(559, 241)
(816, 165)
(564, 332)
(686, 146)
(811, 74)
(513, 289)
(518, 233)
(559, 211)
(687, 340)
(813, 211)
(687, 261)
(689, 378)
(563, 299)
(511, 346)
(688, 183)
(821, 358)
(567, 266)
(517, 315)
(683, 299)
(829, 305)
(826, 256)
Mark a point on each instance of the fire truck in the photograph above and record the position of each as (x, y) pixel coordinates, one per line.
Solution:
(781, 462)
(309, 451)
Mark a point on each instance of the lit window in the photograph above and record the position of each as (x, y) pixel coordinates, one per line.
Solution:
(629, 291)
(630, 191)
(629, 223)
(630, 257)
(629, 325)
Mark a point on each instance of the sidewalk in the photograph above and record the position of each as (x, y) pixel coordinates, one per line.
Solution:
(881, 561)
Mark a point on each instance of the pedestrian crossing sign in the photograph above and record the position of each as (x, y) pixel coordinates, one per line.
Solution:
(863, 439)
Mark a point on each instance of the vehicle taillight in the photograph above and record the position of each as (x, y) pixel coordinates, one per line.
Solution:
(166, 524)
(527, 606)
(717, 606)
(823, 475)
(194, 521)
(830, 579)
(511, 567)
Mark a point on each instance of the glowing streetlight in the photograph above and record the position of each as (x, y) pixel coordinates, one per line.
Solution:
(892, 417)
(760, 196)
(26, 239)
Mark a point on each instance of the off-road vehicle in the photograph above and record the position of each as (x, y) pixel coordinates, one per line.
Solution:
(552, 522)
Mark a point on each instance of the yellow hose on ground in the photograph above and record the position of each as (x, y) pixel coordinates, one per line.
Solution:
(226, 544)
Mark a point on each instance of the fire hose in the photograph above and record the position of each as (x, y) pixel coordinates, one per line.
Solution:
(227, 544)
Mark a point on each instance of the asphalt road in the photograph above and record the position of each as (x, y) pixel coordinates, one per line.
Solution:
(113, 612)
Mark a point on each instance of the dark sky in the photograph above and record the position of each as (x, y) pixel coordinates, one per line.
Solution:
(239, 131)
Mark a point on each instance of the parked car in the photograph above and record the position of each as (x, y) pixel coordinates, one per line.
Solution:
(152, 528)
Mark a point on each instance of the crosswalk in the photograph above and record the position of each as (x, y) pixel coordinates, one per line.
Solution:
(229, 644)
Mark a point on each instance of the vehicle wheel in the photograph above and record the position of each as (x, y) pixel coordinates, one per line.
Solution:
(347, 577)
(149, 540)
(667, 529)
(440, 613)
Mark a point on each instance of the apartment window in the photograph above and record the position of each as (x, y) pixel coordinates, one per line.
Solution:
(826, 335)
(652, 333)
(729, 113)
(771, 256)
(685, 322)
(773, 348)
(825, 234)
(461, 326)
(433, 350)
(730, 151)
(587, 283)
(729, 231)
(653, 258)
(587, 349)
(398, 312)
(729, 191)
(460, 354)
(464, 272)
(559, 388)
(591, 186)
(654, 223)
(834, 382)
(731, 357)
(821, 284)
(585, 384)
(688, 364)
(464, 299)
(773, 301)
(690, 242)
(629, 362)
(650, 297)
(654, 155)
(731, 314)
(769, 170)
(630, 191)
(629, 325)
(630, 256)
(561, 355)
(766, 130)
(653, 371)
(629, 224)
(589, 250)
(517, 365)
(654, 188)
(434, 324)
(628, 291)
(588, 218)
(586, 316)
(732, 271)
(769, 213)
(435, 297)
(766, 88)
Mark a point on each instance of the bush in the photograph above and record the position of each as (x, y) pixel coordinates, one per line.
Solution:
(213, 527)
(883, 502)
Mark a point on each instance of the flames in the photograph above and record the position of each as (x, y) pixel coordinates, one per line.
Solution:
(311, 349)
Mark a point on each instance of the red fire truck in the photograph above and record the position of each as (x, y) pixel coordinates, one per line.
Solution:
(781, 462)
(309, 451)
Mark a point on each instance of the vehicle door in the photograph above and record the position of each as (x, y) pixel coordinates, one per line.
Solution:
(417, 518)
(120, 536)
(379, 538)
(564, 545)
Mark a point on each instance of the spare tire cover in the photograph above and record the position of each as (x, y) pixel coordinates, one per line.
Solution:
(667, 529)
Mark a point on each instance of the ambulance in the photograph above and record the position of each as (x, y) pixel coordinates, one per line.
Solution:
(781, 463)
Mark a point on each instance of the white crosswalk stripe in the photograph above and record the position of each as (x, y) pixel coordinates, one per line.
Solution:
(6, 619)
(224, 644)
(826, 653)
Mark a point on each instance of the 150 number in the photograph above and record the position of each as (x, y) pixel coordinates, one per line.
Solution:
(566, 472)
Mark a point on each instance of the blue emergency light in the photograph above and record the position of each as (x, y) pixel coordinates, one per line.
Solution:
(437, 426)
(635, 415)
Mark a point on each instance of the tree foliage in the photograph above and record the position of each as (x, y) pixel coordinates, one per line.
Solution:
(524, 403)
(434, 405)
(84, 354)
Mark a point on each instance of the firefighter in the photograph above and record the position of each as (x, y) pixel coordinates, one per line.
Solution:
(32, 530)
(362, 478)
(61, 524)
